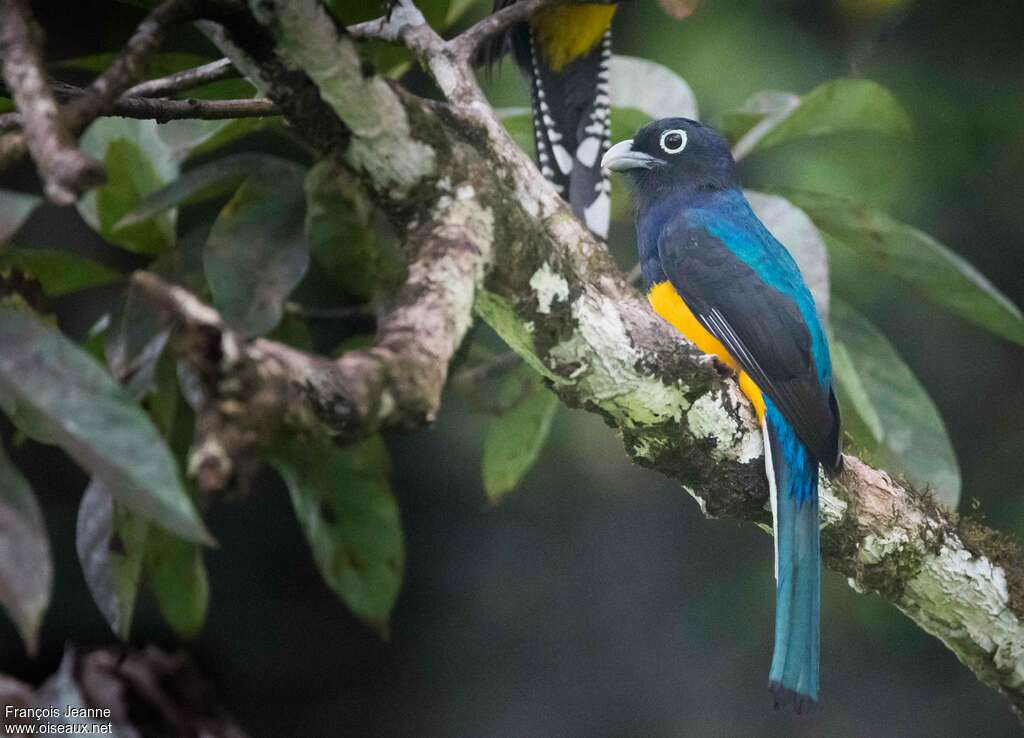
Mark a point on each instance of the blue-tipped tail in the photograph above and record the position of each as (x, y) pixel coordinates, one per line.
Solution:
(794, 673)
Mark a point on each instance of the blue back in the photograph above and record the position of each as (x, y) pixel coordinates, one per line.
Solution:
(727, 215)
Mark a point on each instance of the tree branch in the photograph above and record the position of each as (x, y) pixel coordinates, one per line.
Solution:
(466, 44)
(163, 109)
(395, 384)
(556, 297)
(65, 171)
(141, 101)
(99, 96)
(186, 79)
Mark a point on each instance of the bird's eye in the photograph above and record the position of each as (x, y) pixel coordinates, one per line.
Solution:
(674, 141)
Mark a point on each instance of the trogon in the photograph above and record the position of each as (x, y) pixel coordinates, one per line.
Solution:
(716, 274)
(565, 53)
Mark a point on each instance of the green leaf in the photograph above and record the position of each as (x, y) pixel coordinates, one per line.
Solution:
(58, 272)
(794, 230)
(862, 236)
(515, 438)
(895, 421)
(177, 575)
(256, 252)
(26, 569)
(456, 9)
(344, 240)
(183, 138)
(651, 88)
(519, 124)
(72, 400)
(766, 106)
(344, 504)
(218, 177)
(840, 106)
(111, 543)
(230, 131)
(15, 207)
(138, 162)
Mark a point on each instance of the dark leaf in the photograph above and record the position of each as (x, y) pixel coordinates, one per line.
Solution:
(26, 570)
(74, 402)
(157, 65)
(344, 240)
(15, 207)
(111, 543)
(901, 251)
(516, 437)
(134, 342)
(216, 178)
(887, 411)
(344, 504)
(256, 252)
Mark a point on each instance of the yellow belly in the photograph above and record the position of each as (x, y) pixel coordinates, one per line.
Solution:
(670, 305)
(567, 32)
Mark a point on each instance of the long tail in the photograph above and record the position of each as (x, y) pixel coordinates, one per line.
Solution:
(793, 476)
(571, 103)
(572, 129)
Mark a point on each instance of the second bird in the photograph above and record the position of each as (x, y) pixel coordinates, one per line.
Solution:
(565, 52)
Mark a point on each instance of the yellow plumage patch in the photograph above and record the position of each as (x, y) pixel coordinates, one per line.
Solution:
(670, 305)
(567, 32)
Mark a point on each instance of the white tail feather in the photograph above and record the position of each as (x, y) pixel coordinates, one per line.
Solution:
(773, 491)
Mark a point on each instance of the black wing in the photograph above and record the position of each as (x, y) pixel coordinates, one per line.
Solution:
(760, 326)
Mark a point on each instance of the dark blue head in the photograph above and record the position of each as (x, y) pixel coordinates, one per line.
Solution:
(674, 155)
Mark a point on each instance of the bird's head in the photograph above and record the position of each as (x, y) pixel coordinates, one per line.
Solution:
(674, 154)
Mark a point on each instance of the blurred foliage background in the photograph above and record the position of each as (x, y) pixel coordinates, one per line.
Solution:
(594, 600)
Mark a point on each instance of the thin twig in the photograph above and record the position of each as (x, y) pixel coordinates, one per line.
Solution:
(186, 79)
(403, 15)
(344, 312)
(66, 172)
(163, 109)
(471, 376)
(466, 43)
(102, 93)
(138, 103)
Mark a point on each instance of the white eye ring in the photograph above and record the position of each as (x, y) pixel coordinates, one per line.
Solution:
(673, 149)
